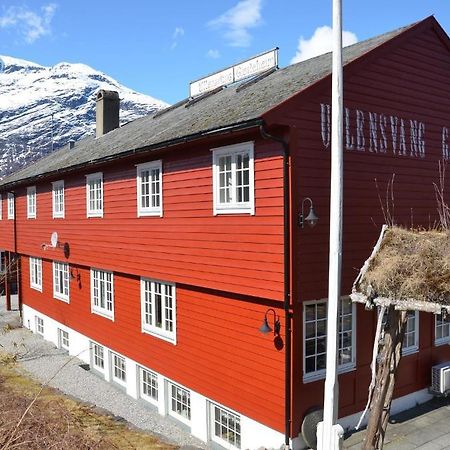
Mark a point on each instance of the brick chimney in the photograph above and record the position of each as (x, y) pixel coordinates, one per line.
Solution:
(107, 112)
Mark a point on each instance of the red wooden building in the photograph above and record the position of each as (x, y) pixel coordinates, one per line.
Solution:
(179, 232)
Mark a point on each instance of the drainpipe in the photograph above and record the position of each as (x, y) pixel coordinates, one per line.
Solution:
(287, 281)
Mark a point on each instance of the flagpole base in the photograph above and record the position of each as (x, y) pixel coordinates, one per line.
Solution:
(333, 442)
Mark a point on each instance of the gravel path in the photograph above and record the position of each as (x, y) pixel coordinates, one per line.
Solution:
(42, 360)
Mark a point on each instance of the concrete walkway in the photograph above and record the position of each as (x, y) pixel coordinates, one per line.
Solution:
(425, 427)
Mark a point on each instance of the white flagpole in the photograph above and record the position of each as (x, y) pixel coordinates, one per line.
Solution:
(330, 432)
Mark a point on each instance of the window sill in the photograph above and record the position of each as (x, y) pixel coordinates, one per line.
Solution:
(37, 288)
(168, 338)
(445, 341)
(156, 213)
(61, 298)
(410, 351)
(309, 378)
(58, 217)
(106, 315)
(94, 214)
(249, 210)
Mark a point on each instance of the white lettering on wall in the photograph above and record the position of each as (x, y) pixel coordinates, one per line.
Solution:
(384, 133)
(445, 152)
(325, 118)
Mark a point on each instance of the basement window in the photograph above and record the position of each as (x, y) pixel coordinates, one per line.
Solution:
(39, 325)
(61, 281)
(58, 199)
(315, 338)
(102, 293)
(63, 339)
(31, 202)
(119, 372)
(180, 403)
(225, 427)
(158, 309)
(149, 189)
(233, 179)
(36, 273)
(148, 385)
(98, 357)
(442, 330)
(94, 195)
(10, 205)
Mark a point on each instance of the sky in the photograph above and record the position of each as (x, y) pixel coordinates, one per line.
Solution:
(158, 47)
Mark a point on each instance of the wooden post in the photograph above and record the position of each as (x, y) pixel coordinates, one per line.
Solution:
(389, 359)
(7, 280)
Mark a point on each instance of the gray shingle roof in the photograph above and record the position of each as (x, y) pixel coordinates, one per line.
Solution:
(230, 106)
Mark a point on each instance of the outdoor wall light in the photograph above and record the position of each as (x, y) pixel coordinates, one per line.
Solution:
(311, 219)
(266, 328)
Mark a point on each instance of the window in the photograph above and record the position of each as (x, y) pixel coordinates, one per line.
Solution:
(315, 337)
(225, 427)
(102, 293)
(149, 189)
(119, 373)
(149, 385)
(61, 281)
(10, 205)
(31, 202)
(36, 273)
(158, 309)
(94, 195)
(58, 199)
(39, 325)
(442, 330)
(98, 357)
(411, 339)
(233, 179)
(180, 403)
(63, 338)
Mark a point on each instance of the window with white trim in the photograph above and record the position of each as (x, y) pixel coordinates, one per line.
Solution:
(58, 199)
(94, 195)
(149, 189)
(180, 403)
(102, 293)
(411, 338)
(10, 205)
(315, 337)
(36, 273)
(233, 179)
(31, 202)
(225, 427)
(61, 281)
(119, 371)
(148, 382)
(98, 357)
(158, 309)
(442, 330)
(63, 338)
(39, 325)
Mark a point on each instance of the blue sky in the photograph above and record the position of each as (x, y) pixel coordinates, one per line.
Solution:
(157, 47)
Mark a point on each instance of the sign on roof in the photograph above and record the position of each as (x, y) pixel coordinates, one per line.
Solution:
(238, 72)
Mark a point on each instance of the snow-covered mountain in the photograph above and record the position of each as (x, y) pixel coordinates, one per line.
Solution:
(38, 102)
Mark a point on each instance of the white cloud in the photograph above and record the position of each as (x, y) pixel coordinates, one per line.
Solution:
(213, 54)
(176, 35)
(31, 25)
(238, 20)
(320, 42)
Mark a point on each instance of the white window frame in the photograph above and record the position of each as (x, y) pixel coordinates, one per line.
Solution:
(233, 207)
(415, 332)
(342, 368)
(39, 322)
(96, 355)
(186, 419)
(91, 179)
(212, 422)
(36, 273)
(58, 204)
(63, 269)
(149, 326)
(10, 206)
(31, 202)
(102, 276)
(115, 357)
(445, 326)
(63, 336)
(149, 210)
(153, 377)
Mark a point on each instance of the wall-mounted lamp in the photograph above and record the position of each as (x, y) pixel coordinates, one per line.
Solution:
(266, 328)
(311, 219)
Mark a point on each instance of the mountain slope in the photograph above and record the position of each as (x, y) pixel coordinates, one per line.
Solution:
(38, 102)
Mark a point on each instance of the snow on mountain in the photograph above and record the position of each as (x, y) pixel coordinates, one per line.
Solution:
(37, 102)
